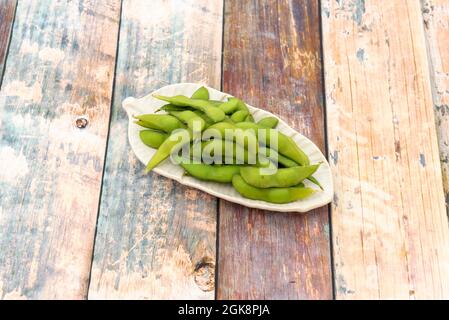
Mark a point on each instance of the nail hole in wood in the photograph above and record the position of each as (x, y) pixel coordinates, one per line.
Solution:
(81, 123)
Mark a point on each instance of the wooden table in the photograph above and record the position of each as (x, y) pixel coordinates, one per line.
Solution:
(367, 81)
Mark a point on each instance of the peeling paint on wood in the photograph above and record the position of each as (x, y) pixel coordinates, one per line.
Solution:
(272, 60)
(390, 230)
(155, 237)
(51, 170)
(436, 23)
(7, 9)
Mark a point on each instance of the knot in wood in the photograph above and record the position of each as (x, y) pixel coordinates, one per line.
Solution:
(204, 275)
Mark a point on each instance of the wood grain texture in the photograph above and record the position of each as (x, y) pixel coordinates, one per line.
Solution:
(7, 9)
(156, 238)
(389, 223)
(272, 60)
(436, 23)
(60, 67)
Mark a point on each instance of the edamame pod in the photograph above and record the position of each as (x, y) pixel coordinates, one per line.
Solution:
(242, 106)
(287, 177)
(217, 173)
(249, 118)
(284, 161)
(190, 118)
(229, 152)
(152, 138)
(239, 116)
(268, 122)
(228, 131)
(229, 106)
(216, 103)
(285, 145)
(167, 147)
(275, 157)
(162, 122)
(204, 117)
(202, 93)
(170, 107)
(273, 195)
(213, 112)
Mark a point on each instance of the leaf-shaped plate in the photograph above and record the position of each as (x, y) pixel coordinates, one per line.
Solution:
(148, 104)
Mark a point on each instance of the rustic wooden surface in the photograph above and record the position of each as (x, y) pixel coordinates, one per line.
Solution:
(386, 77)
(436, 23)
(156, 238)
(7, 10)
(60, 66)
(389, 223)
(272, 60)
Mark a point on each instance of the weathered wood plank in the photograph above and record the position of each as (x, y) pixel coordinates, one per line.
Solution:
(60, 67)
(389, 223)
(272, 60)
(156, 238)
(7, 9)
(436, 23)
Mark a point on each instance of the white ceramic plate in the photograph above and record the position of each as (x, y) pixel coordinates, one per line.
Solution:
(148, 104)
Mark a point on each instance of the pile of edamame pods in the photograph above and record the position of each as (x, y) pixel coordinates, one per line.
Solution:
(260, 162)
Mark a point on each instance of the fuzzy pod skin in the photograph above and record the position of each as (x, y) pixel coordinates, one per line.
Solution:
(285, 146)
(285, 162)
(282, 178)
(239, 116)
(240, 155)
(230, 106)
(268, 122)
(204, 117)
(219, 130)
(216, 173)
(213, 112)
(176, 139)
(190, 118)
(169, 107)
(249, 118)
(202, 93)
(275, 157)
(152, 138)
(161, 122)
(273, 195)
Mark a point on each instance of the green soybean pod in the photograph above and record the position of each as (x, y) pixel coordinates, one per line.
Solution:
(204, 117)
(162, 122)
(249, 118)
(170, 107)
(286, 145)
(152, 138)
(275, 157)
(286, 162)
(213, 112)
(225, 130)
(242, 106)
(202, 93)
(315, 181)
(287, 177)
(230, 106)
(273, 195)
(143, 124)
(216, 103)
(217, 173)
(268, 122)
(190, 118)
(230, 152)
(239, 116)
(176, 139)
